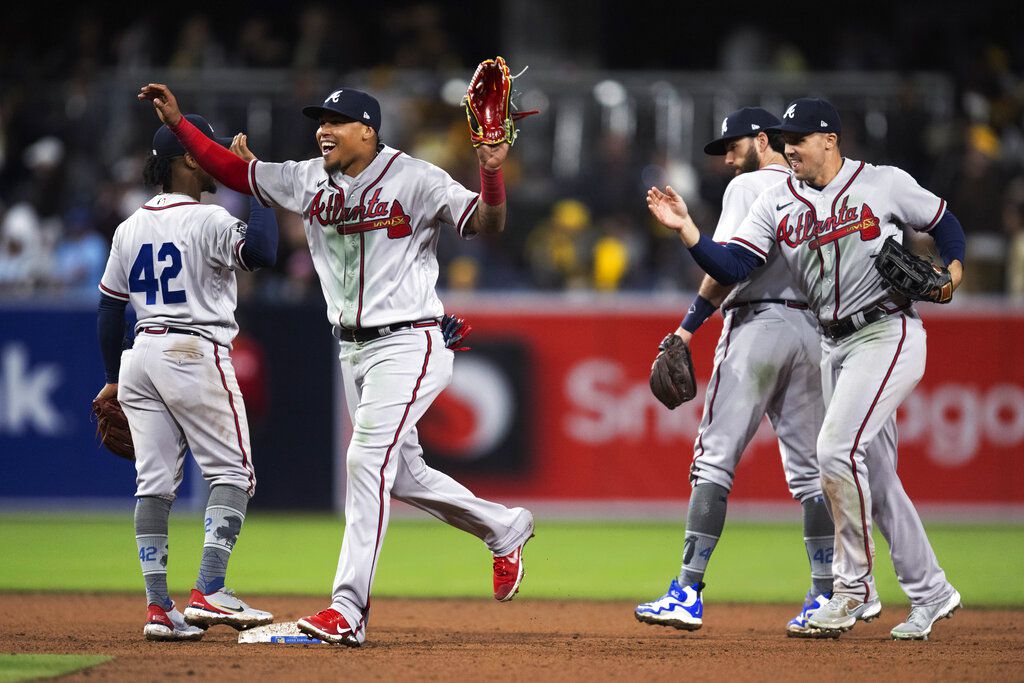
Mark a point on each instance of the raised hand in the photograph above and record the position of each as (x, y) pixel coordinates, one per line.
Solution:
(668, 208)
(163, 101)
(240, 147)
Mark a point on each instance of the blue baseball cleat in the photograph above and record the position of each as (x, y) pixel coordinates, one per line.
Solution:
(798, 626)
(681, 607)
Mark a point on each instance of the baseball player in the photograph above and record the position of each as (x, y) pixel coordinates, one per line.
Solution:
(767, 363)
(827, 221)
(174, 260)
(372, 216)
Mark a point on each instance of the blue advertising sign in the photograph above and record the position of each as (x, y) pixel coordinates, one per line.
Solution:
(50, 370)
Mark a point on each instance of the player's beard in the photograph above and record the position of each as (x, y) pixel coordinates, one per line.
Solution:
(207, 183)
(749, 162)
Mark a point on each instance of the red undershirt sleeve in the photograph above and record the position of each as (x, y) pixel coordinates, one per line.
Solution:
(223, 165)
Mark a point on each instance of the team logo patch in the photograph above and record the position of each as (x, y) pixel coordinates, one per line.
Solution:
(725, 126)
(790, 113)
(334, 96)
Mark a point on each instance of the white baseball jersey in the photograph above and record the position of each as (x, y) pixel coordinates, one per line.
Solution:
(774, 280)
(174, 260)
(373, 238)
(827, 236)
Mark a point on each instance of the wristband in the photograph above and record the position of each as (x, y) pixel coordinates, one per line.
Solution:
(700, 310)
(492, 187)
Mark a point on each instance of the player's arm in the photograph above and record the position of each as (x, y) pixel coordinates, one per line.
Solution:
(259, 248)
(227, 168)
(489, 217)
(952, 243)
(728, 264)
(709, 297)
(915, 206)
(110, 328)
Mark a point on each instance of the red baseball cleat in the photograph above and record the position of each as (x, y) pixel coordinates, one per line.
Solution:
(329, 626)
(509, 572)
(169, 624)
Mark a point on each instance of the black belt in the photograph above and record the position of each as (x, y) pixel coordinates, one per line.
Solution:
(170, 330)
(847, 326)
(757, 302)
(365, 334)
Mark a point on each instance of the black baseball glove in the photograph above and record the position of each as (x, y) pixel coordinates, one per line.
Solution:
(455, 330)
(911, 275)
(672, 379)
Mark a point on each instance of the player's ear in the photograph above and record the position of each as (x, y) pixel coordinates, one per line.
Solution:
(762, 142)
(190, 162)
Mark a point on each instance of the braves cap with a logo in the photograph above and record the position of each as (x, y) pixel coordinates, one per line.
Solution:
(166, 144)
(810, 115)
(355, 104)
(740, 124)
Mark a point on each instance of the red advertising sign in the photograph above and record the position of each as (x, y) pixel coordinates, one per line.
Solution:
(593, 431)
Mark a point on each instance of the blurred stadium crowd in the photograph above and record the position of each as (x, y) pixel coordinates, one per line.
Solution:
(73, 139)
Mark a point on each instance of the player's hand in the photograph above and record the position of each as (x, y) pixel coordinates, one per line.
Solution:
(108, 391)
(240, 147)
(163, 101)
(492, 156)
(668, 208)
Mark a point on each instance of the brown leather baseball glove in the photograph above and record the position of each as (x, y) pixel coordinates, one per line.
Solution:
(488, 104)
(672, 378)
(112, 427)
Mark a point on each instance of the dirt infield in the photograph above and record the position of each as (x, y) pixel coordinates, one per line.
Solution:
(522, 640)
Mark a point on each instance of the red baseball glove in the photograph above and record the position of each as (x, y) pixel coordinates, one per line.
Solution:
(488, 104)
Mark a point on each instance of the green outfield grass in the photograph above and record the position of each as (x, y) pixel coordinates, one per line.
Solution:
(18, 667)
(586, 560)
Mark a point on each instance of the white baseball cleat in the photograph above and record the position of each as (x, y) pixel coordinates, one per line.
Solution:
(223, 607)
(841, 612)
(919, 624)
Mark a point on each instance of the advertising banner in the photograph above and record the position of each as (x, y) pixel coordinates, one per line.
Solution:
(570, 386)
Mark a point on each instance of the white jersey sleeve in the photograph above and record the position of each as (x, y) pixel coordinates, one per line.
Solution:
(283, 184)
(448, 201)
(221, 238)
(114, 282)
(912, 205)
(735, 203)
(756, 232)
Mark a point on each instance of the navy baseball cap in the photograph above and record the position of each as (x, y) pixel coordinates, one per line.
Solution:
(166, 144)
(810, 115)
(355, 104)
(740, 124)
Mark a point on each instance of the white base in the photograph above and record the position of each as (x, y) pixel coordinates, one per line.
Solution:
(284, 633)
